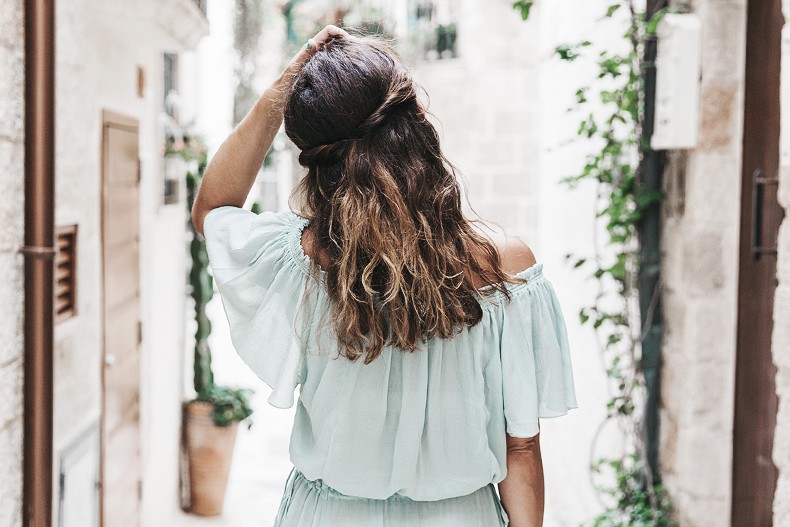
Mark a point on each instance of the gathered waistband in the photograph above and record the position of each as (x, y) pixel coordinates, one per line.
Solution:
(326, 492)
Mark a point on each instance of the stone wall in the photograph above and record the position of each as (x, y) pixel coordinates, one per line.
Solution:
(501, 108)
(781, 335)
(700, 276)
(486, 103)
(11, 239)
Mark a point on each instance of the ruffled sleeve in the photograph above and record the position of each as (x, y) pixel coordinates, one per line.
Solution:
(261, 285)
(537, 376)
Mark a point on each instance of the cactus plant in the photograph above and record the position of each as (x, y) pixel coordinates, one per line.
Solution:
(230, 404)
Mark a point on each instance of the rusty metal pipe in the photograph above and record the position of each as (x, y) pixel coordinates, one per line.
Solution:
(39, 253)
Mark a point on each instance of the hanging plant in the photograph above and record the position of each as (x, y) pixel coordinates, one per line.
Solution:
(617, 168)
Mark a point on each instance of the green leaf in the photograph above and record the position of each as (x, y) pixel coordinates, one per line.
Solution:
(524, 7)
(652, 24)
(570, 52)
(611, 10)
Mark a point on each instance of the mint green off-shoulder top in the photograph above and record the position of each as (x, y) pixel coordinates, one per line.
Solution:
(427, 425)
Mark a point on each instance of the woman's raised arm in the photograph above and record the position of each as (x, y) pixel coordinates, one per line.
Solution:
(230, 174)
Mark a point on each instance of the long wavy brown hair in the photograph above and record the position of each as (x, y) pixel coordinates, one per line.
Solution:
(383, 203)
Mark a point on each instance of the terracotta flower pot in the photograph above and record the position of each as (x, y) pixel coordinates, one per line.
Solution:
(209, 451)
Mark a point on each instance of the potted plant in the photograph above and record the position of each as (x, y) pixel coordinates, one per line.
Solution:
(211, 419)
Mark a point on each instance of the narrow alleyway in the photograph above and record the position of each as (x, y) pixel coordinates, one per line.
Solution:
(260, 462)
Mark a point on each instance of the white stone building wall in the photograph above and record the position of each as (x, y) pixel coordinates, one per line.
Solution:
(11, 239)
(566, 224)
(781, 335)
(100, 46)
(700, 244)
(486, 107)
(501, 108)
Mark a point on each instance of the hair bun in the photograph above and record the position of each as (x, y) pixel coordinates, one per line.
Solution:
(326, 154)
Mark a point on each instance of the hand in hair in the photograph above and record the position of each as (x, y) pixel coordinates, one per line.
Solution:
(231, 173)
(314, 44)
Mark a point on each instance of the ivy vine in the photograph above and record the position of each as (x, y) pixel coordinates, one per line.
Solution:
(636, 497)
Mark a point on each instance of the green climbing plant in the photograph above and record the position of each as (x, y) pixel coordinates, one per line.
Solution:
(229, 404)
(615, 127)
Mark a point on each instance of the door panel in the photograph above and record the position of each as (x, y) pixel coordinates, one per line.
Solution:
(754, 474)
(125, 207)
(122, 284)
(121, 310)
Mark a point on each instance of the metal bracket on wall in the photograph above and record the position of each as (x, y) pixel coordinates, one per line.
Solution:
(758, 201)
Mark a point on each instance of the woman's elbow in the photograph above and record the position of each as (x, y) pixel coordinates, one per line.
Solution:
(523, 447)
(198, 216)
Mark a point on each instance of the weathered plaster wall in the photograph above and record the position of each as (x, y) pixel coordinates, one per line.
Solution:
(100, 46)
(11, 239)
(781, 335)
(700, 276)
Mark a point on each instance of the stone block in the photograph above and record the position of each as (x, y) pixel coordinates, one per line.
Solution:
(508, 122)
(783, 244)
(503, 212)
(11, 24)
(11, 304)
(712, 201)
(11, 467)
(11, 188)
(710, 397)
(696, 511)
(781, 453)
(675, 387)
(705, 463)
(784, 184)
(496, 153)
(782, 507)
(781, 332)
(674, 314)
(11, 383)
(723, 39)
(709, 344)
(717, 112)
(668, 442)
(520, 182)
(703, 256)
(11, 94)
(528, 154)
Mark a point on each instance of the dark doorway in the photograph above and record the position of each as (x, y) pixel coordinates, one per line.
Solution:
(754, 474)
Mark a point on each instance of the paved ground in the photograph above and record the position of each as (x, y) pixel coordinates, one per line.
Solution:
(260, 462)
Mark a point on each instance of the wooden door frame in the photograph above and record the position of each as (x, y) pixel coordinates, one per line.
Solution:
(109, 118)
(754, 421)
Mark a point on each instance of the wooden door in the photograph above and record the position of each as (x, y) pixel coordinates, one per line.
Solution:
(754, 474)
(120, 471)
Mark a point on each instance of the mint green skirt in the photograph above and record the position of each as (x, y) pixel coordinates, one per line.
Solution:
(307, 503)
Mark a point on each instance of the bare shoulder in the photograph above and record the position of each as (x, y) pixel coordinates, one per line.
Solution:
(516, 255)
(311, 249)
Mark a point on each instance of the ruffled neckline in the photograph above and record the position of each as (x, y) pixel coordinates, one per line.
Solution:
(533, 274)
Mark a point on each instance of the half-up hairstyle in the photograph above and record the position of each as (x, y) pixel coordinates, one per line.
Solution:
(383, 203)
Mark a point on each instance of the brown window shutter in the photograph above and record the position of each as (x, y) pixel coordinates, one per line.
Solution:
(66, 273)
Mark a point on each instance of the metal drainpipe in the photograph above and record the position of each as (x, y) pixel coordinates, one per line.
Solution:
(39, 253)
(649, 232)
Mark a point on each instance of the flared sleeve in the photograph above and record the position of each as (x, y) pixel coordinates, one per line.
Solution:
(537, 376)
(261, 286)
